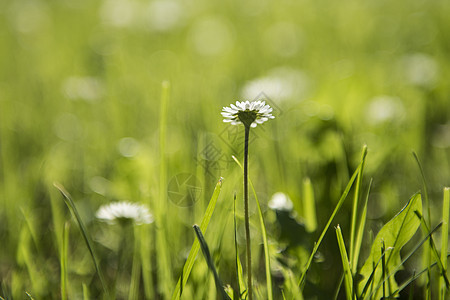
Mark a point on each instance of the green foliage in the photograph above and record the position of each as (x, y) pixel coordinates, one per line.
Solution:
(85, 100)
(392, 237)
(196, 246)
(204, 246)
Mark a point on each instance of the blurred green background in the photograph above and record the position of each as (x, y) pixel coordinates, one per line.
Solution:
(80, 90)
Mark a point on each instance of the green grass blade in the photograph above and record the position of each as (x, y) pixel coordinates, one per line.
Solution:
(414, 250)
(426, 254)
(383, 268)
(394, 234)
(442, 270)
(348, 281)
(360, 232)
(415, 276)
(63, 261)
(327, 226)
(163, 262)
(71, 205)
(145, 251)
(309, 206)
(264, 236)
(187, 268)
(207, 255)
(444, 242)
(353, 257)
(242, 290)
(86, 295)
(133, 292)
(370, 281)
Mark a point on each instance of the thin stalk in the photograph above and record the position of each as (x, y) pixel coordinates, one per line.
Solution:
(246, 215)
(444, 243)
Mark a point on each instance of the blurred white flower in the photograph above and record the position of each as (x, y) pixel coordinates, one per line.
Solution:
(86, 88)
(279, 84)
(384, 109)
(281, 201)
(128, 147)
(247, 113)
(119, 13)
(211, 36)
(28, 16)
(163, 15)
(124, 212)
(420, 69)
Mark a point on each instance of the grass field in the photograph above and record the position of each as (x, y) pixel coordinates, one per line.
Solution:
(120, 100)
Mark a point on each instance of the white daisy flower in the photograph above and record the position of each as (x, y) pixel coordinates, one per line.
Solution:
(124, 212)
(247, 113)
(281, 201)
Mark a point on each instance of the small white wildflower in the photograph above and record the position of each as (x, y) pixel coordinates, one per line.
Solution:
(281, 201)
(382, 109)
(247, 113)
(279, 84)
(124, 212)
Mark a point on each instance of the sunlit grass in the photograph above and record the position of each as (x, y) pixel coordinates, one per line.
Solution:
(85, 100)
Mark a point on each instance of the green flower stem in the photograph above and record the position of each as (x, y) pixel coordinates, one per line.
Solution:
(247, 223)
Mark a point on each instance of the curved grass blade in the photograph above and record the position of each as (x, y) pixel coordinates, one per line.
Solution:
(63, 261)
(360, 232)
(187, 268)
(353, 256)
(442, 270)
(242, 290)
(444, 243)
(322, 235)
(163, 262)
(71, 205)
(309, 206)
(403, 261)
(264, 236)
(206, 253)
(370, 282)
(394, 234)
(415, 276)
(426, 254)
(348, 280)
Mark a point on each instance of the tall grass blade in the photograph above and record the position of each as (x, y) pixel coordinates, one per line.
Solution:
(383, 268)
(442, 271)
(264, 236)
(414, 250)
(309, 206)
(444, 243)
(370, 281)
(133, 292)
(145, 252)
(415, 276)
(322, 235)
(206, 253)
(353, 257)
(426, 254)
(164, 265)
(394, 234)
(86, 295)
(63, 260)
(71, 205)
(196, 246)
(360, 232)
(242, 290)
(348, 280)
